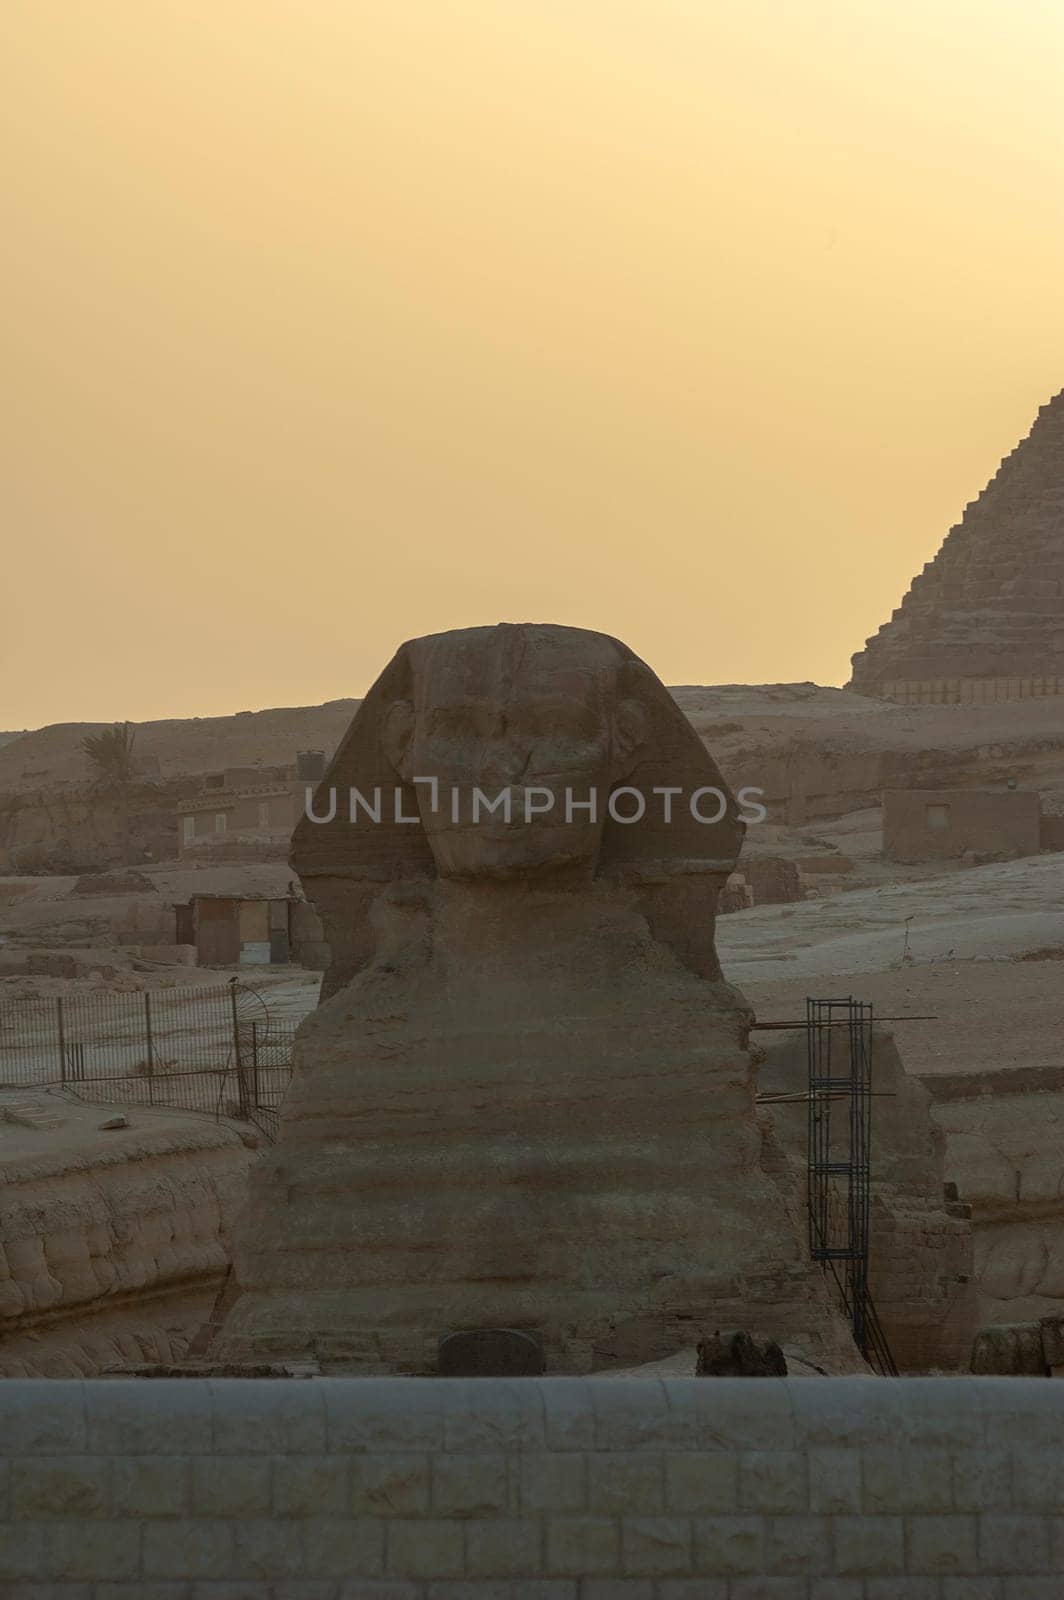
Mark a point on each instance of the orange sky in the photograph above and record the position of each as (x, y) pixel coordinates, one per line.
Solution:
(331, 322)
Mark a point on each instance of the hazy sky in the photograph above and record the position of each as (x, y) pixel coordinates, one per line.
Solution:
(331, 322)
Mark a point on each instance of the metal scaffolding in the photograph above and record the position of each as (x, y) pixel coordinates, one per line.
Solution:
(839, 1043)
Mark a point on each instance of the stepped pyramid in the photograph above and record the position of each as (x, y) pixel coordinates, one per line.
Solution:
(985, 619)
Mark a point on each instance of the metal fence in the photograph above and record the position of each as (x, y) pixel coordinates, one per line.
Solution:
(216, 1050)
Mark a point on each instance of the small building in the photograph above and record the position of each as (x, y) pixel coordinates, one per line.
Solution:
(941, 824)
(251, 807)
(246, 931)
(761, 881)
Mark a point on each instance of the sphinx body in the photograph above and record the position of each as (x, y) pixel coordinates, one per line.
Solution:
(527, 1099)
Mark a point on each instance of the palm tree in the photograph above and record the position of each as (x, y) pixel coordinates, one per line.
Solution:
(111, 753)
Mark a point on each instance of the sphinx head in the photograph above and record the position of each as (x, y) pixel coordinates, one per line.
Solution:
(513, 738)
(494, 741)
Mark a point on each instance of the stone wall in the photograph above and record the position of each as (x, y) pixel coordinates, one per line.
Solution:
(940, 824)
(539, 1489)
(83, 828)
(1051, 832)
(967, 691)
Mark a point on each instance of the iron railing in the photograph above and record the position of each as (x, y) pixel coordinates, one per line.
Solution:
(211, 1049)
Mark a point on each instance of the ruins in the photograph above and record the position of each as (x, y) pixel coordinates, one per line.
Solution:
(114, 1233)
(527, 1099)
(984, 620)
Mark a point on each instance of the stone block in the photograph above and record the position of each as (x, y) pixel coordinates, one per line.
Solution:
(233, 1486)
(163, 1418)
(928, 1479)
(96, 1549)
(139, 1590)
(544, 1589)
(582, 1546)
(918, 1480)
(390, 1485)
(303, 1589)
(192, 1549)
(932, 1416)
(68, 1486)
(834, 1480)
(430, 1547)
(467, 1589)
(983, 1480)
(311, 1486)
(728, 1545)
(267, 1549)
(942, 1544)
(773, 1480)
(261, 1416)
(152, 1486)
(618, 1589)
(1022, 1413)
(843, 1415)
(734, 1414)
(903, 1588)
(361, 1416)
(798, 1545)
(552, 1483)
(380, 1589)
(43, 1417)
(503, 1547)
(500, 1414)
(470, 1485)
(1014, 1544)
(640, 1414)
(347, 1547)
(22, 1550)
(702, 1481)
(768, 1588)
(656, 1546)
(692, 1589)
(869, 1545)
(619, 1482)
(569, 1414)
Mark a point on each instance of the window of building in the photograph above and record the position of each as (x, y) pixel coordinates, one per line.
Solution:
(264, 813)
(936, 816)
(214, 780)
(188, 830)
(219, 821)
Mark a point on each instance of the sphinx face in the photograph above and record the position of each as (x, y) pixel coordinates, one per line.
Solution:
(517, 742)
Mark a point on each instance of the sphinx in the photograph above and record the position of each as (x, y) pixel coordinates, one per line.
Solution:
(526, 1099)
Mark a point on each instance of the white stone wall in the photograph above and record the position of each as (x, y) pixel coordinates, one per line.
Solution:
(553, 1489)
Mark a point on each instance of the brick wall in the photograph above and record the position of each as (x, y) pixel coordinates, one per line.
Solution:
(539, 1489)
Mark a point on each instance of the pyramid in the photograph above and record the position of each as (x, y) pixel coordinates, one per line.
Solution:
(985, 620)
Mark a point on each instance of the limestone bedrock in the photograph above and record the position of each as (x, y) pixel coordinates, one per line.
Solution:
(526, 1099)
